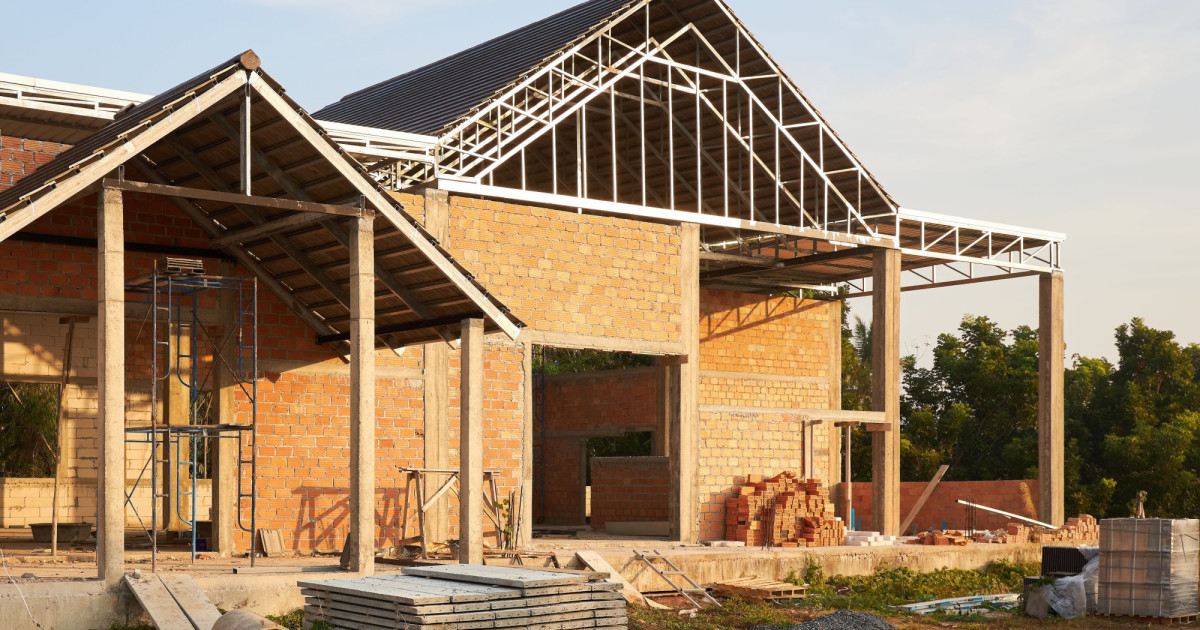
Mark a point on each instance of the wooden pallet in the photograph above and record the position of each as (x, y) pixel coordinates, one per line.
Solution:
(1181, 620)
(759, 589)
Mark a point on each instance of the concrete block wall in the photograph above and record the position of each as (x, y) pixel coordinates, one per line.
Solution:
(629, 489)
(608, 402)
(1018, 496)
(759, 358)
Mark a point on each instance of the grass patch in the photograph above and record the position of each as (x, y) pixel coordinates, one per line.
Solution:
(891, 587)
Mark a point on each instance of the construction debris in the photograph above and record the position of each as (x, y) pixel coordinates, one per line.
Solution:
(963, 605)
(948, 537)
(465, 595)
(782, 511)
(1079, 528)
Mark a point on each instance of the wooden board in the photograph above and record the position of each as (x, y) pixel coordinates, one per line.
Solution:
(496, 576)
(164, 611)
(412, 590)
(593, 561)
(195, 604)
(925, 494)
(272, 542)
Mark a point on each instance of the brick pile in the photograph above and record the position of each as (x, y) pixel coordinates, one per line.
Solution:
(782, 511)
(1079, 528)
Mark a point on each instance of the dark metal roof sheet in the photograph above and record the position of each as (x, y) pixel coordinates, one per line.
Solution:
(429, 99)
(125, 123)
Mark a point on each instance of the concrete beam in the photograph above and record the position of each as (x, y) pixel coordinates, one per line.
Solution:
(437, 389)
(684, 433)
(885, 390)
(470, 501)
(110, 522)
(362, 396)
(1050, 398)
(224, 478)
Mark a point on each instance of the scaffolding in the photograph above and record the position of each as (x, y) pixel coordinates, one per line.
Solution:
(173, 295)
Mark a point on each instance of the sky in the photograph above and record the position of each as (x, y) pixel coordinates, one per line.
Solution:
(1078, 116)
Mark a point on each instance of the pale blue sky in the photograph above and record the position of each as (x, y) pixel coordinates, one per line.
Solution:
(1071, 115)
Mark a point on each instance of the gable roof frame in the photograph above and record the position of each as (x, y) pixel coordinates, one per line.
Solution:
(165, 119)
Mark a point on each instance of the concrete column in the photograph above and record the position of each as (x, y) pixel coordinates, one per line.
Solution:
(436, 428)
(470, 476)
(834, 372)
(224, 476)
(663, 402)
(525, 492)
(110, 522)
(1050, 398)
(684, 438)
(177, 407)
(362, 396)
(885, 390)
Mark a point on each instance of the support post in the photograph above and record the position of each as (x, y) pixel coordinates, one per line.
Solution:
(885, 390)
(834, 374)
(362, 396)
(470, 476)
(1051, 496)
(110, 522)
(225, 471)
(524, 505)
(662, 408)
(436, 447)
(684, 433)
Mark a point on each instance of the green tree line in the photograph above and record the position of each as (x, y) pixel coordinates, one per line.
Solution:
(1130, 427)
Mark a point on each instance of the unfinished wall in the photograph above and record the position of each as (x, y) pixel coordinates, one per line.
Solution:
(760, 358)
(579, 406)
(629, 489)
(1015, 496)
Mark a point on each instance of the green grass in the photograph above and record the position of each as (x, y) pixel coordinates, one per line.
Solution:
(891, 587)
(734, 613)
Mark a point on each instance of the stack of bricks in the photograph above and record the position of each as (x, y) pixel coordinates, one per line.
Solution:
(1082, 527)
(782, 511)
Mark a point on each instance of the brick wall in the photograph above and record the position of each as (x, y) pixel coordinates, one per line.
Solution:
(1015, 496)
(759, 357)
(630, 489)
(607, 402)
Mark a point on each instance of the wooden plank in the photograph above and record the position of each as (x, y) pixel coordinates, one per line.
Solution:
(158, 602)
(593, 561)
(202, 194)
(925, 494)
(195, 604)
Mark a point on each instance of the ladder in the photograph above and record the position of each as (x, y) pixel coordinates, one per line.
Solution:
(690, 590)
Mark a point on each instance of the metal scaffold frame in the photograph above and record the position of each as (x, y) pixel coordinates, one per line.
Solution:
(177, 335)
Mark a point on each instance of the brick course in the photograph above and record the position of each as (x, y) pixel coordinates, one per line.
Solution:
(1015, 496)
(630, 489)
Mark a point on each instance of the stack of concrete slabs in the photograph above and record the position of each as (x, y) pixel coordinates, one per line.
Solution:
(460, 596)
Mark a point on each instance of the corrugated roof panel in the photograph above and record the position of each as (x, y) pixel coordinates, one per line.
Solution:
(428, 99)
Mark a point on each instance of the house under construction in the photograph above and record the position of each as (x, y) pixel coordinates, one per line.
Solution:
(380, 280)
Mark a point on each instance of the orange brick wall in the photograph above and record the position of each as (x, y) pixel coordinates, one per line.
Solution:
(630, 489)
(1015, 496)
(759, 357)
(607, 402)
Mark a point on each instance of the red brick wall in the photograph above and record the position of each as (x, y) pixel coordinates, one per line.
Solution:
(602, 403)
(1016, 496)
(630, 489)
(759, 357)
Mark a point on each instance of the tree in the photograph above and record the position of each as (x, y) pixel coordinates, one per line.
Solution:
(28, 429)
